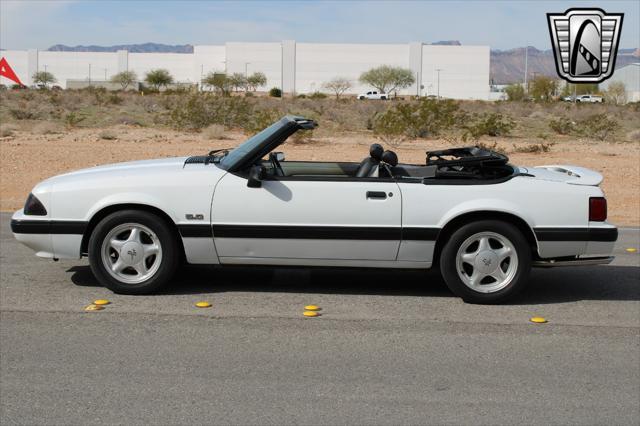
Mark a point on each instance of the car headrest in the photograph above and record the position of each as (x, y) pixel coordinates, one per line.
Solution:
(390, 158)
(375, 151)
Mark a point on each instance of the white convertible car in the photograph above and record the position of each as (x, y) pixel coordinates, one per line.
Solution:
(483, 221)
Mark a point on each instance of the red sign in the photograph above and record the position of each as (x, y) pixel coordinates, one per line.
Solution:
(7, 71)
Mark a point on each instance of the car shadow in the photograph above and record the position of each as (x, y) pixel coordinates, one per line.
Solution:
(546, 286)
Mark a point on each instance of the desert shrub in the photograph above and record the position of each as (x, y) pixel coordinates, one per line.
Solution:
(72, 119)
(634, 136)
(491, 147)
(515, 92)
(301, 96)
(425, 118)
(487, 123)
(598, 126)
(23, 113)
(114, 99)
(260, 120)
(562, 125)
(197, 111)
(215, 131)
(275, 92)
(535, 148)
(317, 95)
(108, 135)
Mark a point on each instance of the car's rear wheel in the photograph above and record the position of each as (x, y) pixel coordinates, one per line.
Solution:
(133, 252)
(486, 262)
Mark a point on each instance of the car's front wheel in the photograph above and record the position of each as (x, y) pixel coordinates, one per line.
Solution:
(133, 252)
(486, 261)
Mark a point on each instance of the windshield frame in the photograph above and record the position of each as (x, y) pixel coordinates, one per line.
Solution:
(259, 145)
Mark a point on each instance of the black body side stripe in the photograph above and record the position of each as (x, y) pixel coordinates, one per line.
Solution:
(576, 234)
(195, 231)
(309, 232)
(70, 227)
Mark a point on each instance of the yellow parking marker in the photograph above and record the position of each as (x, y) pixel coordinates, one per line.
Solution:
(93, 307)
(203, 305)
(310, 314)
(312, 308)
(538, 320)
(631, 250)
(101, 302)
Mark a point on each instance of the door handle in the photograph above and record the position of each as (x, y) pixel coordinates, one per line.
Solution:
(378, 195)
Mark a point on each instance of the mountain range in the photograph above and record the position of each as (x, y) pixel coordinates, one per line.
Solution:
(507, 66)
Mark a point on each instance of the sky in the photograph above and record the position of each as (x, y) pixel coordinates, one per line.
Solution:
(39, 24)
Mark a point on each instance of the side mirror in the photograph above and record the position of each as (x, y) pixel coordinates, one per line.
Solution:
(279, 156)
(256, 174)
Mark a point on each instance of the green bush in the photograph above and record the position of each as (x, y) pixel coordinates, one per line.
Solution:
(260, 120)
(489, 124)
(515, 92)
(72, 119)
(275, 92)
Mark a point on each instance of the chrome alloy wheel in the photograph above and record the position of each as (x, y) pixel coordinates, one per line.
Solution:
(131, 253)
(487, 262)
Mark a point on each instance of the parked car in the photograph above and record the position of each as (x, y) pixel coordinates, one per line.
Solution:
(373, 95)
(568, 99)
(590, 98)
(483, 221)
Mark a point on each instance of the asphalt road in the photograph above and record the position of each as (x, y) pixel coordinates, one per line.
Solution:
(391, 347)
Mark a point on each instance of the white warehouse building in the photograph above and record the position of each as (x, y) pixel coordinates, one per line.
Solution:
(458, 72)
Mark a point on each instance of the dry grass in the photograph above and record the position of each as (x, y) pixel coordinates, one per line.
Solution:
(108, 134)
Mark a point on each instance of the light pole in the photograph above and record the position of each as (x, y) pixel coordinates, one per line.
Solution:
(89, 74)
(438, 70)
(526, 66)
(246, 76)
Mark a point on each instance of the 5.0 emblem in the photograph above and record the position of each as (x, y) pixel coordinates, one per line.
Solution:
(585, 43)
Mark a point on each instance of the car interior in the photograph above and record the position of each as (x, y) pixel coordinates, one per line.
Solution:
(459, 163)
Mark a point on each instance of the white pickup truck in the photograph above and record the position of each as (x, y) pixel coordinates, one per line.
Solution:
(589, 98)
(373, 95)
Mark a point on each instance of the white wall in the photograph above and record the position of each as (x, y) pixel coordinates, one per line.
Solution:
(307, 66)
(263, 57)
(318, 63)
(179, 65)
(464, 71)
(630, 77)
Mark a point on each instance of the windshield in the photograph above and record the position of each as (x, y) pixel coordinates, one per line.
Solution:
(236, 155)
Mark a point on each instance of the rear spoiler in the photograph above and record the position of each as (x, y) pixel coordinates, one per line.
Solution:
(578, 175)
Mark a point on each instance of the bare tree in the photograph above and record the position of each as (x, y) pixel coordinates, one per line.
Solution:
(255, 80)
(124, 78)
(616, 93)
(338, 85)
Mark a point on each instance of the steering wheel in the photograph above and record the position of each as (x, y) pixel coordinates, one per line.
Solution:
(277, 167)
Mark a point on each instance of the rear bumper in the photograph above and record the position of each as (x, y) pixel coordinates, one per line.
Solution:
(596, 240)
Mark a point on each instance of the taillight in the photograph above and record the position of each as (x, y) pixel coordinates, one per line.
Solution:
(34, 207)
(597, 209)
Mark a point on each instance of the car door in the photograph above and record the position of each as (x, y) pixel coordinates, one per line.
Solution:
(306, 218)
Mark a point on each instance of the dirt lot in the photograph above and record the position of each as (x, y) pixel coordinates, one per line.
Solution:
(27, 158)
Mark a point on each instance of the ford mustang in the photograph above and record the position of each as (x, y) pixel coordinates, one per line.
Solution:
(483, 221)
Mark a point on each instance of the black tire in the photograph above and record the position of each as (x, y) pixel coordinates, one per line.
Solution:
(449, 261)
(361, 98)
(168, 240)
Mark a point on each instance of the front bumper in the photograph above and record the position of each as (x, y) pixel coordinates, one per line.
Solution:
(49, 239)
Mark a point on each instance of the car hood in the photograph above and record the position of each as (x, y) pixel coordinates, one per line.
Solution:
(129, 166)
